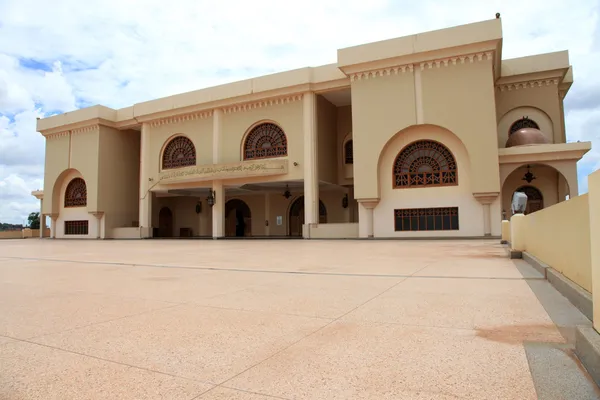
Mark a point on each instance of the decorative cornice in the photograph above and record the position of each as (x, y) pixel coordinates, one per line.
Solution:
(181, 118)
(465, 59)
(526, 85)
(262, 103)
(380, 72)
(85, 129)
(57, 135)
(442, 62)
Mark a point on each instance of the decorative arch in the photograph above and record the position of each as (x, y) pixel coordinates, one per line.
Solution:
(425, 163)
(178, 152)
(524, 122)
(296, 215)
(348, 152)
(238, 218)
(76, 193)
(538, 116)
(265, 140)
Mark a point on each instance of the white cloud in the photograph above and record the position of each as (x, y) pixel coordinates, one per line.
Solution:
(117, 53)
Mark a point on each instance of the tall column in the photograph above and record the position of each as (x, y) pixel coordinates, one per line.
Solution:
(145, 207)
(53, 218)
(216, 140)
(98, 216)
(42, 219)
(218, 210)
(311, 177)
(267, 214)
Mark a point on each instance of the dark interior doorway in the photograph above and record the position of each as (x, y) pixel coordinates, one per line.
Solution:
(165, 222)
(238, 218)
(296, 217)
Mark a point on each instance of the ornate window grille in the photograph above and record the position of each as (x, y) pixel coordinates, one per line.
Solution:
(76, 193)
(425, 163)
(524, 122)
(265, 141)
(179, 152)
(348, 152)
(76, 227)
(426, 219)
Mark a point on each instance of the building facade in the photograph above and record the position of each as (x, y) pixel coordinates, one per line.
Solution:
(421, 136)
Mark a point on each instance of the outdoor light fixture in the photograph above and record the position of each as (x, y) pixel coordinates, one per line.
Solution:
(287, 194)
(198, 207)
(345, 201)
(212, 197)
(528, 175)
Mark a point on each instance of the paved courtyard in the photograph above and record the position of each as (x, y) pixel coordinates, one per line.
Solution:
(284, 319)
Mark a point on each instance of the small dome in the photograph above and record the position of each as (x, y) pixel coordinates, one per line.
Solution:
(526, 136)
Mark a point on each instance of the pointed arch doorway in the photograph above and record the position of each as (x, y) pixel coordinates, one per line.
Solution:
(296, 216)
(535, 199)
(238, 218)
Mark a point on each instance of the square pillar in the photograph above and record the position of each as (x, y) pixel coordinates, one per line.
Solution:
(53, 218)
(216, 139)
(146, 183)
(218, 210)
(486, 199)
(366, 228)
(594, 204)
(311, 178)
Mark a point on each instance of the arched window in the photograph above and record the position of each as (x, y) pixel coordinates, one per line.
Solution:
(425, 163)
(76, 193)
(179, 152)
(524, 122)
(266, 140)
(348, 152)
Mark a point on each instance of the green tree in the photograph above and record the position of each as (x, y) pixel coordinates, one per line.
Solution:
(34, 220)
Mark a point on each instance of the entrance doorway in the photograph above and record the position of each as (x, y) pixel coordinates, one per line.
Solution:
(165, 222)
(238, 219)
(535, 200)
(296, 217)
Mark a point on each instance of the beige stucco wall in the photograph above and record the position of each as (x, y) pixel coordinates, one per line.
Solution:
(460, 98)
(560, 237)
(327, 140)
(85, 158)
(183, 209)
(74, 213)
(199, 131)
(594, 218)
(288, 116)
(540, 117)
(381, 107)
(544, 98)
(119, 174)
(470, 210)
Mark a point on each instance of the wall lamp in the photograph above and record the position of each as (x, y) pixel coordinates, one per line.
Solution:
(345, 201)
(212, 198)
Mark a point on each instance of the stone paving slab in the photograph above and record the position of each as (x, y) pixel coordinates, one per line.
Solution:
(263, 319)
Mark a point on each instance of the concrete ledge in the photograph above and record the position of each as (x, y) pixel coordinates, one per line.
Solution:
(536, 264)
(516, 254)
(572, 291)
(587, 348)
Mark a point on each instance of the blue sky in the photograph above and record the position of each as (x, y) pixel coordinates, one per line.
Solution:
(69, 54)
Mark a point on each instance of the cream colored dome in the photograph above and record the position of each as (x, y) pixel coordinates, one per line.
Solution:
(526, 136)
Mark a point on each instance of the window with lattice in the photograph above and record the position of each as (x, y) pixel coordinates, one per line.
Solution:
(426, 219)
(76, 227)
(179, 152)
(348, 152)
(76, 193)
(522, 123)
(425, 163)
(265, 141)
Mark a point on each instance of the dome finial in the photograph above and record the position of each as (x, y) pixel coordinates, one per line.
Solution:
(497, 15)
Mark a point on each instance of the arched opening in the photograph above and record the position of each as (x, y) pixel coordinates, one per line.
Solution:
(524, 122)
(348, 152)
(535, 200)
(165, 222)
(266, 140)
(296, 216)
(179, 152)
(76, 193)
(238, 219)
(425, 163)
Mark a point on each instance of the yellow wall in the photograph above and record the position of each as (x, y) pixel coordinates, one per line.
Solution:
(560, 237)
(85, 159)
(327, 140)
(544, 98)
(460, 98)
(11, 234)
(57, 161)
(594, 204)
